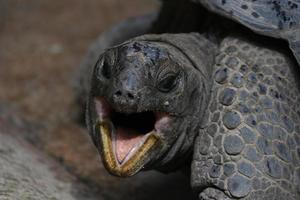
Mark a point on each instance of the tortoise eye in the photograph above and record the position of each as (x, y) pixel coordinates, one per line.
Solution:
(167, 83)
(103, 69)
(106, 71)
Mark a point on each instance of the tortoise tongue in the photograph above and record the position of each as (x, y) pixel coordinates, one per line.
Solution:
(126, 140)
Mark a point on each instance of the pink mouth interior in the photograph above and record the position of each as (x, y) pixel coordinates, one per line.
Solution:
(130, 129)
(126, 140)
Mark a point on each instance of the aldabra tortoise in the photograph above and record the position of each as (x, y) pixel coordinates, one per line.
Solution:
(227, 107)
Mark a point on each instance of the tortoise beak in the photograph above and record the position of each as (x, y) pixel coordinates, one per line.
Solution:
(127, 141)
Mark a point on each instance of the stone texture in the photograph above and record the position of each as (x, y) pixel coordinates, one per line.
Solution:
(258, 134)
(266, 130)
(252, 78)
(264, 146)
(248, 135)
(272, 167)
(227, 96)
(282, 151)
(239, 186)
(266, 102)
(221, 75)
(204, 145)
(243, 108)
(215, 171)
(251, 154)
(251, 121)
(244, 69)
(246, 168)
(232, 62)
(212, 129)
(233, 144)
(262, 89)
(231, 119)
(216, 117)
(237, 80)
(288, 124)
(229, 169)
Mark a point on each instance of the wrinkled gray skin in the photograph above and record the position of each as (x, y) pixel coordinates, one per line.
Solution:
(119, 33)
(276, 18)
(247, 136)
(138, 68)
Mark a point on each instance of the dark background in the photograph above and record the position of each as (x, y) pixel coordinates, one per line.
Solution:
(42, 43)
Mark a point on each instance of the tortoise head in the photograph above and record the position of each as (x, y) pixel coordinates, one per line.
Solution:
(144, 108)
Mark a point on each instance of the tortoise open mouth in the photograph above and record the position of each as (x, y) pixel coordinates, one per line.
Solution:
(128, 139)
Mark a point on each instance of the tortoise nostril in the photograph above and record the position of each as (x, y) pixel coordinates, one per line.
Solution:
(130, 96)
(118, 93)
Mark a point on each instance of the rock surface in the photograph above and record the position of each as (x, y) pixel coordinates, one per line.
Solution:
(27, 173)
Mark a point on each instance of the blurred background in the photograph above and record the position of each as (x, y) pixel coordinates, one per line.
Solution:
(42, 43)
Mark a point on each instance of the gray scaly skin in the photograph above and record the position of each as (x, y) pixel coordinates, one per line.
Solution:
(231, 107)
(249, 148)
(274, 18)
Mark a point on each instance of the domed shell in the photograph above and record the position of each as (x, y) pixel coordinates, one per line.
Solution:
(274, 18)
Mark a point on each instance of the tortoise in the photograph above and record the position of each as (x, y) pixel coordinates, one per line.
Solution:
(222, 107)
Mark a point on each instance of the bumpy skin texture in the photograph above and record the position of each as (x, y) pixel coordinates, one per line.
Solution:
(276, 18)
(249, 148)
(130, 77)
(119, 33)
